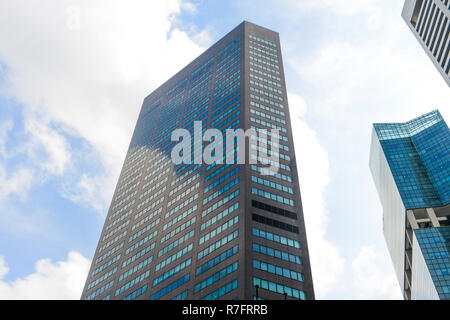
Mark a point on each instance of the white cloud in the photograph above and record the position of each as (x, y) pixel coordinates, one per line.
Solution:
(370, 72)
(87, 191)
(189, 6)
(370, 8)
(56, 281)
(346, 7)
(87, 66)
(18, 183)
(312, 162)
(3, 267)
(203, 38)
(55, 145)
(5, 128)
(373, 277)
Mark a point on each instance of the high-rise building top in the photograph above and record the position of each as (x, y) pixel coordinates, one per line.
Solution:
(417, 152)
(410, 164)
(429, 21)
(204, 230)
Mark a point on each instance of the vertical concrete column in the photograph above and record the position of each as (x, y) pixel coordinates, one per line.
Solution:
(433, 218)
(412, 219)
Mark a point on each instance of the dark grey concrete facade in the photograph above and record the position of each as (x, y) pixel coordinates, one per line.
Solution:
(429, 22)
(143, 218)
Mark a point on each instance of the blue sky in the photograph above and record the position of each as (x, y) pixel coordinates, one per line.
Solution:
(72, 79)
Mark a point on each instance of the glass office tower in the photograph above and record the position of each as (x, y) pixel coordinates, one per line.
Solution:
(209, 230)
(429, 22)
(410, 164)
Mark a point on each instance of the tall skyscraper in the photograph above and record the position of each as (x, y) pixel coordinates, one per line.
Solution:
(410, 164)
(429, 21)
(209, 230)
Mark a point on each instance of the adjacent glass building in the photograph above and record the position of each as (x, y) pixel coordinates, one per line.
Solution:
(209, 231)
(429, 22)
(410, 164)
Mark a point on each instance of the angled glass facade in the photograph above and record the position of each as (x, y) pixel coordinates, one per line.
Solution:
(418, 153)
(410, 164)
(202, 229)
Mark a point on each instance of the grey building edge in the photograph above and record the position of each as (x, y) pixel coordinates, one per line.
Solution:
(429, 21)
(245, 289)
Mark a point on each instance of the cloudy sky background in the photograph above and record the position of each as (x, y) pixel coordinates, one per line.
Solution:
(73, 75)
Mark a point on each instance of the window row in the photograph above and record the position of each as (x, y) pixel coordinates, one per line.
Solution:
(273, 209)
(276, 238)
(178, 283)
(284, 272)
(141, 242)
(272, 184)
(275, 223)
(166, 275)
(274, 197)
(279, 254)
(222, 291)
(138, 255)
(218, 230)
(219, 216)
(136, 268)
(144, 230)
(215, 246)
(221, 202)
(180, 217)
(216, 277)
(174, 257)
(180, 228)
(279, 288)
(216, 260)
(176, 243)
(133, 282)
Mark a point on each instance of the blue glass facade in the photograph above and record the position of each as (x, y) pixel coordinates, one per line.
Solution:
(435, 246)
(418, 154)
(210, 94)
(410, 164)
(195, 98)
